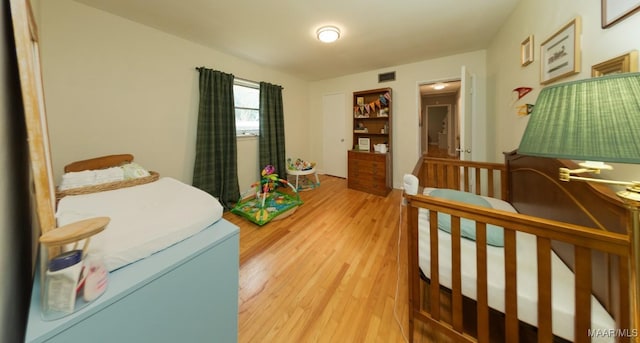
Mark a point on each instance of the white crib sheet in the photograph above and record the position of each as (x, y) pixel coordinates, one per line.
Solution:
(563, 299)
(144, 219)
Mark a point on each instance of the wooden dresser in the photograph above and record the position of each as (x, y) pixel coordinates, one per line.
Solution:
(369, 172)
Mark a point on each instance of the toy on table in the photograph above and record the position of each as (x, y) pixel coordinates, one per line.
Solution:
(299, 164)
(267, 203)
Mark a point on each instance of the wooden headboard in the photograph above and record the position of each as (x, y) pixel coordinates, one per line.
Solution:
(104, 162)
(535, 189)
(99, 163)
(531, 179)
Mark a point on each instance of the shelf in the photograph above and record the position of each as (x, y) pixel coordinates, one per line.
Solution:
(370, 170)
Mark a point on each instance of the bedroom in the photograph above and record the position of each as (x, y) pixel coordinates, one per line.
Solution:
(108, 35)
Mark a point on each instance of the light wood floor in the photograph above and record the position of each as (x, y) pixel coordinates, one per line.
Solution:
(434, 151)
(328, 272)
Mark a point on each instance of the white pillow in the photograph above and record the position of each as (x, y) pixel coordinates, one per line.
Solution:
(133, 170)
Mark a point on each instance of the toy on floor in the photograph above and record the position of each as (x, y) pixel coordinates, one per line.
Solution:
(267, 203)
(303, 168)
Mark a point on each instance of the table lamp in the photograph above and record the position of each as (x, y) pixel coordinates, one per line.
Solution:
(596, 120)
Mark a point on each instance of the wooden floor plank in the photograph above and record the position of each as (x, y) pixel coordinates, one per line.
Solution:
(327, 273)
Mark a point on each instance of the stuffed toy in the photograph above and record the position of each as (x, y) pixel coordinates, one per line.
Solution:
(299, 164)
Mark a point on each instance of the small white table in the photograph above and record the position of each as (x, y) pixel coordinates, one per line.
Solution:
(305, 172)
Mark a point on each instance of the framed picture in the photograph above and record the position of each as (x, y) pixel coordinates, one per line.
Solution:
(364, 144)
(614, 11)
(626, 63)
(360, 101)
(560, 53)
(526, 51)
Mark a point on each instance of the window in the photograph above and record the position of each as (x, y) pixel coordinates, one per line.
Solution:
(246, 96)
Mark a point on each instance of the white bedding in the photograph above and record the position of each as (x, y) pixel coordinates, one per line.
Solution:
(144, 219)
(563, 300)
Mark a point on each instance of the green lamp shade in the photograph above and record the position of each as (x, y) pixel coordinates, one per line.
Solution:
(595, 119)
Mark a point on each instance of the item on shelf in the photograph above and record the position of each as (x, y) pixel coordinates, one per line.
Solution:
(364, 144)
(360, 128)
(382, 148)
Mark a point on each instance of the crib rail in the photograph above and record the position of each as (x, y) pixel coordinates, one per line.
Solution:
(455, 174)
(482, 178)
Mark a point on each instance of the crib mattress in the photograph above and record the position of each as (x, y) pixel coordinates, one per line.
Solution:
(563, 299)
(144, 219)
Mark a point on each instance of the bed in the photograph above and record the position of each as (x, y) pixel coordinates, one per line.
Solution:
(147, 213)
(556, 269)
(173, 263)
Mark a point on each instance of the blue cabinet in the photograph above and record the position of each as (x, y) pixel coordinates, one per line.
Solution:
(185, 293)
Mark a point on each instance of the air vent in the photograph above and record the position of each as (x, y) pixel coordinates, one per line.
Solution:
(385, 77)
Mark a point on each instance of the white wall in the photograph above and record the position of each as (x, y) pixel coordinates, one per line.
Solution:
(542, 18)
(115, 86)
(406, 102)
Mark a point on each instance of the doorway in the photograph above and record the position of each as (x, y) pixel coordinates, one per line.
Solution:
(439, 119)
(435, 135)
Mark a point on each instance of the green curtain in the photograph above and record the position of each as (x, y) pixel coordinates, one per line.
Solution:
(216, 167)
(271, 141)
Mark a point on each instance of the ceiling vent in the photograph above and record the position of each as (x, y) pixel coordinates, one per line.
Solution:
(385, 77)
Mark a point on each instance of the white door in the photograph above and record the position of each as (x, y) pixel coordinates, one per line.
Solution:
(465, 115)
(334, 121)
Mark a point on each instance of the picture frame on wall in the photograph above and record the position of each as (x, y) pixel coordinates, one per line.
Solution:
(614, 11)
(560, 53)
(526, 51)
(627, 63)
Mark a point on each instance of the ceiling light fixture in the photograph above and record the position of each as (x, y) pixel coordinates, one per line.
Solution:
(439, 86)
(328, 34)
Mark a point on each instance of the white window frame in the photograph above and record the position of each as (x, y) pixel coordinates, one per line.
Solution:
(241, 131)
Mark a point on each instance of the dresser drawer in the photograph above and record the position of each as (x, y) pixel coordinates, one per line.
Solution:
(369, 172)
(371, 157)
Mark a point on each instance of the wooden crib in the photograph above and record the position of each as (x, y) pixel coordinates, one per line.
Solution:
(584, 224)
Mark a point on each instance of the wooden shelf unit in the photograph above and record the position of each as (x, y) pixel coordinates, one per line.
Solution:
(368, 170)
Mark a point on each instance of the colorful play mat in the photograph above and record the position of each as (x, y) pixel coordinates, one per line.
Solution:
(267, 203)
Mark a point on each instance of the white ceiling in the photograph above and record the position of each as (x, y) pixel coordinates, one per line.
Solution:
(376, 34)
(450, 87)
